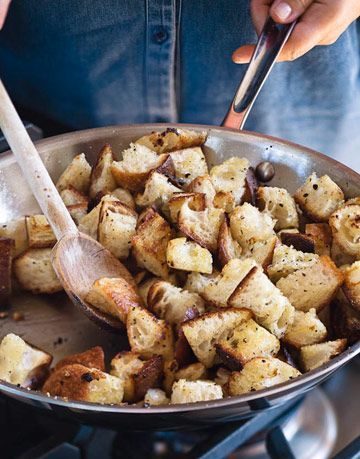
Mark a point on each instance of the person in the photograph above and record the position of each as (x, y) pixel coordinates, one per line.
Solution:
(86, 63)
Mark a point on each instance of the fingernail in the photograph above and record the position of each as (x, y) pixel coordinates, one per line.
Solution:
(282, 10)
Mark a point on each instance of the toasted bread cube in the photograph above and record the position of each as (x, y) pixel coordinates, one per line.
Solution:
(196, 202)
(102, 179)
(188, 164)
(78, 212)
(21, 363)
(201, 226)
(299, 241)
(287, 260)
(34, 272)
(222, 379)
(251, 187)
(203, 184)
(138, 161)
(77, 382)
(144, 287)
(260, 373)
(322, 237)
(271, 308)
(155, 397)
(313, 286)
(170, 368)
(124, 196)
(158, 191)
(197, 282)
(16, 230)
(351, 286)
(149, 244)
(261, 251)
(77, 174)
(114, 296)
(230, 177)
(148, 335)
(184, 391)
(318, 198)
(306, 329)
(315, 355)
(247, 341)
(39, 232)
(345, 227)
(192, 372)
(188, 256)
(6, 254)
(345, 321)
(249, 225)
(171, 303)
(89, 224)
(172, 139)
(92, 358)
(280, 205)
(71, 196)
(228, 248)
(117, 226)
(138, 375)
(224, 200)
(218, 292)
(203, 332)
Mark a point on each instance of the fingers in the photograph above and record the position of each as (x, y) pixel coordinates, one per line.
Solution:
(285, 11)
(259, 13)
(4, 6)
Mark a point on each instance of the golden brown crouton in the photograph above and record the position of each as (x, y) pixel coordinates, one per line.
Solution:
(318, 198)
(196, 282)
(228, 248)
(171, 303)
(144, 287)
(158, 191)
(321, 235)
(203, 184)
(188, 164)
(39, 232)
(71, 196)
(6, 254)
(306, 329)
(172, 139)
(192, 372)
(149, 244)
(345, 227)
(16, 230)
(148, 335)
(184, 391)
(77, 174)
(315, 355)
(260, 373)
(77, 212)
(188, 256)
(230, 177)
(21, 363)
(114, 296)
(271, 308)
(313, 286)
(89, 224)
(34, 272)
(117, 224)
(224, 200)
(280, 205)
(101, 179)
(124, 196)
(92, 358)
(155, 397)
(196, 202)
(203, 332)
(351, 285)
(76, 382)
(299, 241)
(247, 341)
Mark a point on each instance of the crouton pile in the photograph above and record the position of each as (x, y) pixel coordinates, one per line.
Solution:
(242, 286)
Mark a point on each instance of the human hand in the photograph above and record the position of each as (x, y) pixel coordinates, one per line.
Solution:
(4, 6)
(321, 23)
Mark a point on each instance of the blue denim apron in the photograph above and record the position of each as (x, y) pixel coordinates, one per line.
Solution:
(88, 63)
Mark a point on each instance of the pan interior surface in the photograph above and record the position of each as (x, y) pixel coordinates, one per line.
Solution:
(53, 324)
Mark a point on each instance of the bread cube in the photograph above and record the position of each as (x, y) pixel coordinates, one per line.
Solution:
(92, 358)
(322, 237)
(260, 373)
(299, 241)
(203, 184)
(39, 232)
(184, 391)
(315, 355)
(224, 200)
(188, 256)
(197, 282)
(6, 255)
(155, 397)
(101, 179)
(280, 205)
(351, 285)
(158, 191)
(345, 227)
(16, 230)
(172, 139)
(318, 198)
(35, 273)
(77, 175)
(124, 196)
(77, 212)
(192, 372)
(196, 202)
(89, 224)
(188, 164)
(345, 321)
(230, 177)
(306, 329)
(23, 364)
(71, 196)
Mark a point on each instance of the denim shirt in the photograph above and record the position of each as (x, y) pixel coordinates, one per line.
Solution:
(89, 63)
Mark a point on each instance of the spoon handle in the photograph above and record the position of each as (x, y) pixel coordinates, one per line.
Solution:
(270, 43)
(33, 168)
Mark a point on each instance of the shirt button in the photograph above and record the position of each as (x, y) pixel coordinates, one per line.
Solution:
(160, 35)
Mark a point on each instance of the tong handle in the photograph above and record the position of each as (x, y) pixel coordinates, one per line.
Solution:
(270, 43)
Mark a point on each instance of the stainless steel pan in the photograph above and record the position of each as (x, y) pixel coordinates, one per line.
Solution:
(52, 323)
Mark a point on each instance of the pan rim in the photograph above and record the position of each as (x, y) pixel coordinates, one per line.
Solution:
(283, 388)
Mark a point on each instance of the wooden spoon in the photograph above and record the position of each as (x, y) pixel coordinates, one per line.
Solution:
(77, 259)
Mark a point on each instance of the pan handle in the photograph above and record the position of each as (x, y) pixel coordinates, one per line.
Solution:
(270, 43)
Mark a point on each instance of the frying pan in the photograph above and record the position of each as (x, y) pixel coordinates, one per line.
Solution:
(53, 324)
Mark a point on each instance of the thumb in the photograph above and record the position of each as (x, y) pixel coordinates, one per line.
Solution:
(286, 11)
(4, 6)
